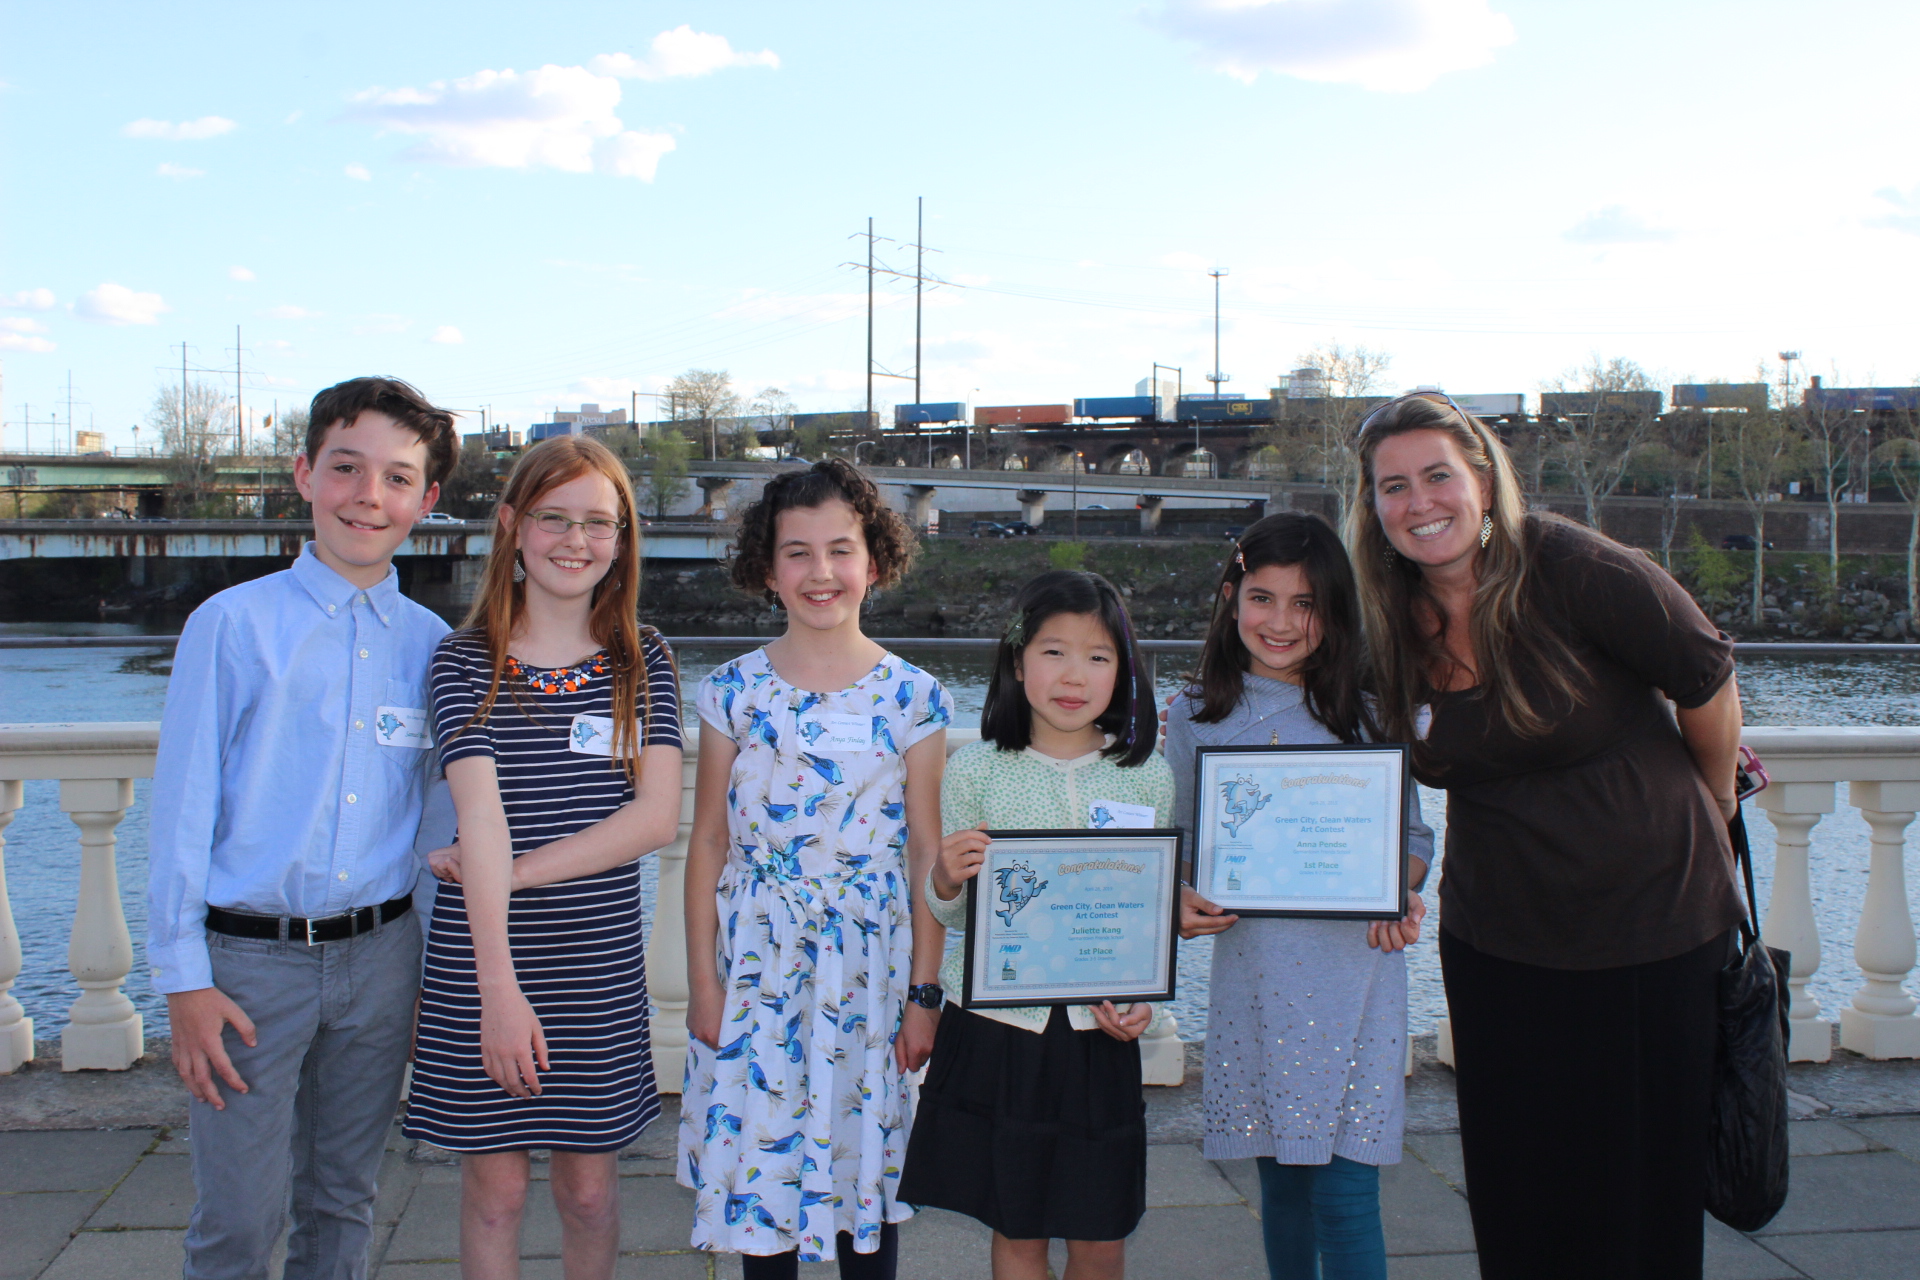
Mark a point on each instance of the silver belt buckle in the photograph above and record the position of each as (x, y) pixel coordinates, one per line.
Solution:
(310, 927)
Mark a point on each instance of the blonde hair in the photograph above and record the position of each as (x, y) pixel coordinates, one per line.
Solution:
(1403, 618)
(614, 622)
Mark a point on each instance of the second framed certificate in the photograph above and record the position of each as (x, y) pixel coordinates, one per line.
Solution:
(1303, 831)
(1073, 917)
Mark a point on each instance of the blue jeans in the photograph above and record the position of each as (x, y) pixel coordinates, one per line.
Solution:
(1322, 1221)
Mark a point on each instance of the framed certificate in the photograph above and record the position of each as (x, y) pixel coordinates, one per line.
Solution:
(1303, 831)
(1073, 917)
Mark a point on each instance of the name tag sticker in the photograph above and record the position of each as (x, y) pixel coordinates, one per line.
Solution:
(591, 736)
(401, 727)
(1115, 814)
(830, 734)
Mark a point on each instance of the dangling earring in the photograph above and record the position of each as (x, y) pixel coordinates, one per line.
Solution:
(1390, 557)
(1486, 528)
(519, 569)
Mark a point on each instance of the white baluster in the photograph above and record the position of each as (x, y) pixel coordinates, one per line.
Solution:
(667, 950)
(1163, 1059)
(1795, 807)
(103, 1030)
(1881, 1023)
(1443, 1042)
(16, 1028)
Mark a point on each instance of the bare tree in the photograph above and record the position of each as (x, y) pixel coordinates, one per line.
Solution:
(771, 410)
(1755, 448)
(1597, 435)
(703, 396)
(195, 424)
(1900, 455)
(1322, 440)
(1829, 437)
(286, 435)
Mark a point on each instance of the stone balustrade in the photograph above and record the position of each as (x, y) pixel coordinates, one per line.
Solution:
(96, 764)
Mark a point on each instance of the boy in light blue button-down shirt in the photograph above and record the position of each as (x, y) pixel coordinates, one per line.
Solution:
(294, 761)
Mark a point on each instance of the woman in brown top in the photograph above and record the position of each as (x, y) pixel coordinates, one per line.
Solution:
(1587, 893)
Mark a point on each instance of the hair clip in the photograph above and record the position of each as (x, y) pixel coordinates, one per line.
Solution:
(1016, 632)
(1238, 558)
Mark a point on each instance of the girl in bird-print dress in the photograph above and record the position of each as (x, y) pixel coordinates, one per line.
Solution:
(816, 810)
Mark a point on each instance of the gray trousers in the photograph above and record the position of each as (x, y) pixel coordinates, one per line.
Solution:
(333, 1024)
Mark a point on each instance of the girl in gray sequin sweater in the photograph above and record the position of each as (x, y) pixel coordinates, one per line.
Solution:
(1306, 1037)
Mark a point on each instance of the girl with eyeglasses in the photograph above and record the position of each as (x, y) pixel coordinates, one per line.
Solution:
(558, 721)
(1587, 896)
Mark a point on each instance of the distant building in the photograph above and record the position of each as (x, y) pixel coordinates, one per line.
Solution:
(494, 441)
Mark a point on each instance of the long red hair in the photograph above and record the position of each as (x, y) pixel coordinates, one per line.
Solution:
(615, 624)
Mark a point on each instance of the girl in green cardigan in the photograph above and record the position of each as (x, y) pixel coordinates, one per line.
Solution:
(1032, 1120)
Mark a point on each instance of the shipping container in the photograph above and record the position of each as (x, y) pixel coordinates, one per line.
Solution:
(1114, 407)
(1863, 399)
(937, 411)
(1014, 415)
(1569, 404)
(1197, 410)
(1501, 405)
(1720, 395)
(849, 420)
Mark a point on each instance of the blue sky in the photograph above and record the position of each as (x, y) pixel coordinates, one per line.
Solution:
(529, 206)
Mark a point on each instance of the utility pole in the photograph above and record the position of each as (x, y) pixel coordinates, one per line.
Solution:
(183, 394)
(70, 441)
(919, 274)
(869, 324)
(1216, 377)
(239, 408)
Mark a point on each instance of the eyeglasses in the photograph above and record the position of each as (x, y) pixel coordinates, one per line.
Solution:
(558, 525)
(1431, 397)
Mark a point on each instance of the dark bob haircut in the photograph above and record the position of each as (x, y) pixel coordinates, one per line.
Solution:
(1006, 720)
(1330, 676)
(889, 541)
(346, 401)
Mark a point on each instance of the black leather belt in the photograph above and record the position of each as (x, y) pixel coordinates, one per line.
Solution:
(241, 924)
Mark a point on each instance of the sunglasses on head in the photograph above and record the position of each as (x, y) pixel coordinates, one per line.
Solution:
(1431, 397)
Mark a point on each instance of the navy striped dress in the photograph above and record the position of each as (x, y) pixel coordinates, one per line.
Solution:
(576, 945)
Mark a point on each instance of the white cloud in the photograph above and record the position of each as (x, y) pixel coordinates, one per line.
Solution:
(1906, 210)
(115, 304)
(1393, 46)
(287, 311)
(358, 172)
(447, 335)
(241, 274)
(1615, 225)
(275, 344)
(29, 300)
(681, 52)
(179, 172)
(23, 342)
(550, 118)
(185, 131)
(20, 324)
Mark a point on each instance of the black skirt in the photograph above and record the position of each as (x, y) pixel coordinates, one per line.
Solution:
(1583, 1112)
(1039, 1136)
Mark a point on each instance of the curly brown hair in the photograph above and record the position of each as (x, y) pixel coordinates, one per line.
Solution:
(890, 541)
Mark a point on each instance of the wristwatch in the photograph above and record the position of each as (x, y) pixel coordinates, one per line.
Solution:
(927, 995)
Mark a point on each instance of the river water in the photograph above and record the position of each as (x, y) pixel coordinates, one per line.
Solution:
(52, 685)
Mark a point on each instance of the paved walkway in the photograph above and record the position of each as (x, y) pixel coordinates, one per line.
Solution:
(112, 1203)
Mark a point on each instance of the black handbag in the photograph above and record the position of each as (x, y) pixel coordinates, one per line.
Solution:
(1747, 1122)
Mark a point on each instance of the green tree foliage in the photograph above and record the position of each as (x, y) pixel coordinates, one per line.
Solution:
(664, 453)
(1067, 555)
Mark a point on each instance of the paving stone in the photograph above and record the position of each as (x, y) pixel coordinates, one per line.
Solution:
(69, 1159)
(173, 1143)
(120, 1255)
(1902, 1134)
(398, 1181)
(1245, 1177)
(1220, 1243)
(1825, 1138)
(1177, 1174)
(37, 1227)
(1852, 1255)
(1440, 1152)
(157, 1194)
(1732, 1256)
(938, 1245)
(1436, 1266)
(1421, 1213)
(1879, 1190)
(675, 1266)
(430, 1230)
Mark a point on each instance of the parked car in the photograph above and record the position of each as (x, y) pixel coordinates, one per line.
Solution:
(441, 517)
(1095, 506)
(1741, 542)
(1019, 529)
(1233, 533)
(986, 529)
